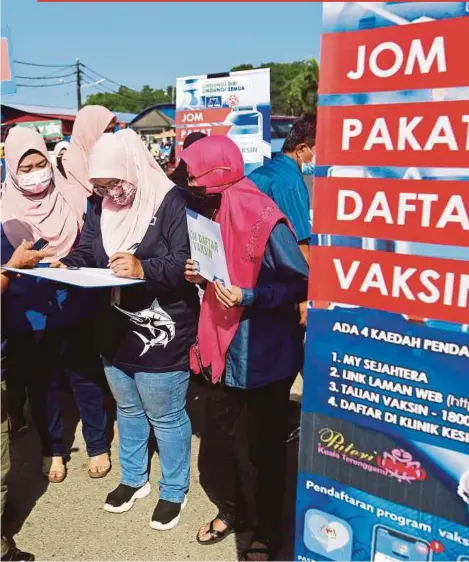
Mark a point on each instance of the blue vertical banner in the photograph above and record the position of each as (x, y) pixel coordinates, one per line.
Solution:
(7, 67)
(384, 449)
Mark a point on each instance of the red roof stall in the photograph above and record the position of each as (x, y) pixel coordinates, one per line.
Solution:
(54, 123)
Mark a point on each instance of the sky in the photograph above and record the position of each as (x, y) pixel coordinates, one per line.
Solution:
(135, 43)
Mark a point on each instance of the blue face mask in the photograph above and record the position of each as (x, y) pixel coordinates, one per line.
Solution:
(307, 168)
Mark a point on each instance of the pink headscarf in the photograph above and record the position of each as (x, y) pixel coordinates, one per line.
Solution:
(247, 218)
(89, 126)
(53, 215)
(123, 156)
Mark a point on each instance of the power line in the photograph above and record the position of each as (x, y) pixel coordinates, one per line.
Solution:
(44, 65)
(78, 73)
(98, 87)
(108, 90)
(93, 83)
(45, 85)
(46, 77)
(101, 76)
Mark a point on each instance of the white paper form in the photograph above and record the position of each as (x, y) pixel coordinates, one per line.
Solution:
(207, 248)
(89, 277)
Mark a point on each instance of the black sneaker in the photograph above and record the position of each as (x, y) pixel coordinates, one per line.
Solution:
(123, 497)
(17, 555)
(166, 515)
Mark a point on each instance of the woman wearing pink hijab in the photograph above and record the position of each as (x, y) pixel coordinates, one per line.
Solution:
(45, 323)
(90, 124)
(137, 227)
(249, 347)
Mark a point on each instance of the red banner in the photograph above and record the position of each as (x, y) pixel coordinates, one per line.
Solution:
(192, 117)
(396, 58)
(407, 134)
(414, 285)
(436, 212)
(182, 132)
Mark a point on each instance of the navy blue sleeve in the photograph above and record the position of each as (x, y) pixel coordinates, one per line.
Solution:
(82, 255)
(167, 272)
(290, 272)
(7, 248)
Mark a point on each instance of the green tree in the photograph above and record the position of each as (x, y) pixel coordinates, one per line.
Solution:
(131, 101)
(302, 92)
(293, 85)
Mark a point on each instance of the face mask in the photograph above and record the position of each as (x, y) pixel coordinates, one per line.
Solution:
(35, 182)
(209, 200)
(122, 193)
(307, 168)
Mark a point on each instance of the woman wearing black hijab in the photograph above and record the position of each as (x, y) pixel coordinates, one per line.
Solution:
(196, 198)
(180, 175)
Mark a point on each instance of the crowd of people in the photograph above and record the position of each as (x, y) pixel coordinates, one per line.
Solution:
(108, 203)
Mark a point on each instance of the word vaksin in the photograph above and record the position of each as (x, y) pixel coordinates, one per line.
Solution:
(397, 287)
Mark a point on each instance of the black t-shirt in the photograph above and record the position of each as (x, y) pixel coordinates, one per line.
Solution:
(153, 325)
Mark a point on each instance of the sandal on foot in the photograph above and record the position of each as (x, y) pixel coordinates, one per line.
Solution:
(54, 475)
(215, 536)
(99, 471)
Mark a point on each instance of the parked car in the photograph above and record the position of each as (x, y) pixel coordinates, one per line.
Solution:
(280, 126)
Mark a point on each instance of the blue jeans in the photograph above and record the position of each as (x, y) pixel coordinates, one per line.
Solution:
(36, 361)
(159, 400)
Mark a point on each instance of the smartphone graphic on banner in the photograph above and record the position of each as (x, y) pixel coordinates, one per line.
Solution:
(394, 546)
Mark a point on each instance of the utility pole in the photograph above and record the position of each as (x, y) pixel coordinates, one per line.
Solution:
(78, 72)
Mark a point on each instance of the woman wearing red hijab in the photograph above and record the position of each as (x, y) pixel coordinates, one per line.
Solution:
(249, 347)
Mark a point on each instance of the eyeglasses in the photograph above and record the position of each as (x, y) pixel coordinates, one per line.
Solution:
(191, 178)
(103, 190)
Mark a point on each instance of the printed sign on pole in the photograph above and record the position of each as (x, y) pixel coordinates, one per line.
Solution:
(7, 68)
(384, 452)
(236, 104)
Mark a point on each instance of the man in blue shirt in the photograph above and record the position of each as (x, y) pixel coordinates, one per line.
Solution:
(282, 180)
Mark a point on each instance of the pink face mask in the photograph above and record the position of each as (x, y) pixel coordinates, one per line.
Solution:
(35, 182)
(121, 193)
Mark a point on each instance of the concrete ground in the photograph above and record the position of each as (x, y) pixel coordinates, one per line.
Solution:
(67, 521)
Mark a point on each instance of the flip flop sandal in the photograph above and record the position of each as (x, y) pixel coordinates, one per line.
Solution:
(97, 473)
(55, 476)
(215, 536)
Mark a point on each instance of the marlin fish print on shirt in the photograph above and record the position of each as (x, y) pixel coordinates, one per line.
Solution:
(159, 324)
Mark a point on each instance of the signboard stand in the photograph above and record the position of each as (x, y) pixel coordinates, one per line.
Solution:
(236, 104)
(384, 452)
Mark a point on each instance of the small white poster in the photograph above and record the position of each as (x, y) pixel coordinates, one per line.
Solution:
(207, 249)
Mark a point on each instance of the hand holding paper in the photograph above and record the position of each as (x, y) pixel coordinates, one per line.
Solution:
(207, 251)
(192, 274)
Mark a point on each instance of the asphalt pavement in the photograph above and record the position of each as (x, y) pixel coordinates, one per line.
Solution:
(67, 521)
